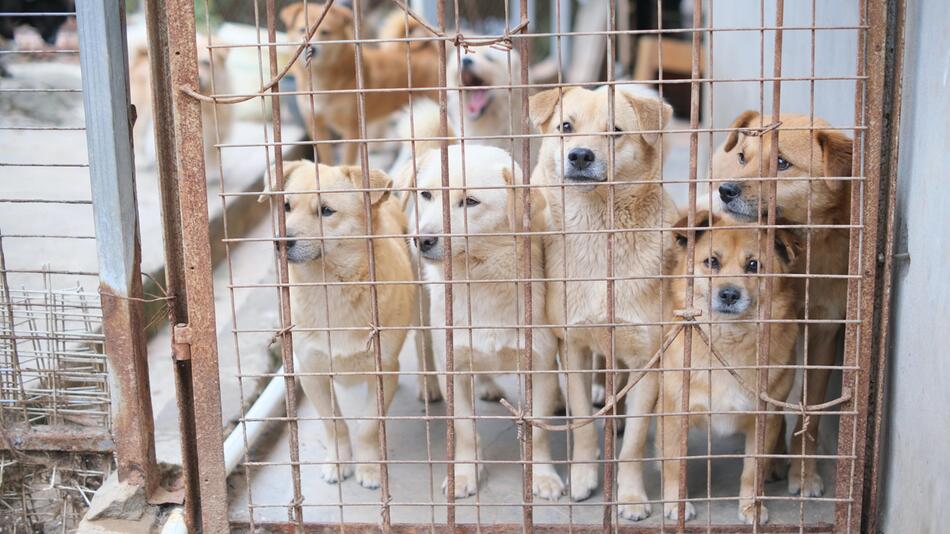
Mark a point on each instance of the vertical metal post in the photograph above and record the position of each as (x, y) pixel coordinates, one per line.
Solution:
(105, 84)
(196, 268)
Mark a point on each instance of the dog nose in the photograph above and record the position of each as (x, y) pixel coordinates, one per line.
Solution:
(729, 295)
(426, 243)
(729, 191)
(580, 158)
(290, 244)
(467, 62)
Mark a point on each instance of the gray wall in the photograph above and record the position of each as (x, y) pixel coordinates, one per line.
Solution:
(916, 459)
(736, 54)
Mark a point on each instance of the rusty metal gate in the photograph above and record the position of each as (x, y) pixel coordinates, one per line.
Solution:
(216, 505)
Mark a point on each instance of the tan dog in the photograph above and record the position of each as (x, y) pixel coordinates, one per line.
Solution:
(216, 123)
(822, 153)
(582, 253)
(338, 211)
(333, 67)
(491, 207)
(726, 292)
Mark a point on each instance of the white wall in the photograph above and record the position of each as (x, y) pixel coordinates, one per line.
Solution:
(916, 458)
(747, 54)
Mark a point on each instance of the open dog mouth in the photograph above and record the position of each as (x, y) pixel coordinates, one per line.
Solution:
(476, 100)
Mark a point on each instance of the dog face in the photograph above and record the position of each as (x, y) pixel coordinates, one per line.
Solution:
(582, 115)
(490, 206)
(475, 68)
(332, 210)
(801, 153)
(336, 26)
(727, 256)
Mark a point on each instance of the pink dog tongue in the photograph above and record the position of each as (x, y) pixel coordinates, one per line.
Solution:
(477, 99)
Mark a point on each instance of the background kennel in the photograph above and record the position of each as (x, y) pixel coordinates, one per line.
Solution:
(218, 390)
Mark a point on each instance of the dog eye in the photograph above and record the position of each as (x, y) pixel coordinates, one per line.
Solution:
(752, 266)
(326, 211)
(712, 262)
(286, 206)
(741, 158)
(618, 129)
(426, 195)
(565, 127)
(470, 202)
(324, 33)
(783, 164)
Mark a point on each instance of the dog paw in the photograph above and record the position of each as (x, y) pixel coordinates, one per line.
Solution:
(368, 475)
(598, 394)
(672, 510)
(466, 481)
(333, 472)
(488, 390)
(547, 484)
(747, 513)
(583, 481)
(809, 486)
(635, 507)
(427, 389)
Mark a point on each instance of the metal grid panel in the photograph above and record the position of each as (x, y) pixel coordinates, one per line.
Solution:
(441, 431)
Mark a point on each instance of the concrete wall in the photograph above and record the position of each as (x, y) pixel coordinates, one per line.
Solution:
(916, 459)
(747, 54)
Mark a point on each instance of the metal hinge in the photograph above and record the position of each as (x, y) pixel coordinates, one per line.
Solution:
(181, 342)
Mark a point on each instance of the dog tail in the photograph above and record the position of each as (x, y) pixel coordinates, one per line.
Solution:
(396, 26)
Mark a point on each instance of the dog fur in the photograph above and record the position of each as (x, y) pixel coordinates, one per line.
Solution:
(732, 296)
(333, 67)
(492, 208)
(823, 153)
(314, 262)
(586, 208)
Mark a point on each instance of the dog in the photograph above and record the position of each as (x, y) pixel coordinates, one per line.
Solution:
(726, 291)
(580, 166)
(333, 67)
(493, 206)
(338, 211)
(823, 153)
(216, 121)
(46, 25)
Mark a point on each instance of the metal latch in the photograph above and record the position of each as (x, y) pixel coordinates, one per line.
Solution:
(181, 342)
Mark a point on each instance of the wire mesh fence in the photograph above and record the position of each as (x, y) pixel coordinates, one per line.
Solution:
(519, 289)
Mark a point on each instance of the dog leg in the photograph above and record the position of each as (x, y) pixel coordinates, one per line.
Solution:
(319, 390)
(547, 484)
(367, 433)
(351, 150)
(321, 132)
(747, 486)
(488, 390)
(640, 401)
(466, 440)
(584, 474)
(427, 386)
(669, 436)
(598, 390)
(803, 474)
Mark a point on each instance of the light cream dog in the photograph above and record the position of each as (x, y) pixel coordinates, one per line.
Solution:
(338, 211)
(727, 292)
(494, 308)
(822, 153)
(581, 165)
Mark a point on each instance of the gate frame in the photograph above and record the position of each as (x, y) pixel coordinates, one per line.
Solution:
(182, 166)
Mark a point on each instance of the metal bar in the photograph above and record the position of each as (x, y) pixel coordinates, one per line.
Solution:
(55, 438)
(403, 528)
(196, 263)
(162, 107)
(112, 176)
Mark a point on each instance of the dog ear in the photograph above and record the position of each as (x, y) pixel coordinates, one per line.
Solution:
(836, 151)
(377, 180)
(539, 204)
(680, 232)
(744, 120)
(788, 244)
(541, 106)
(289, 14)
(270, 178)
(652, 114)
